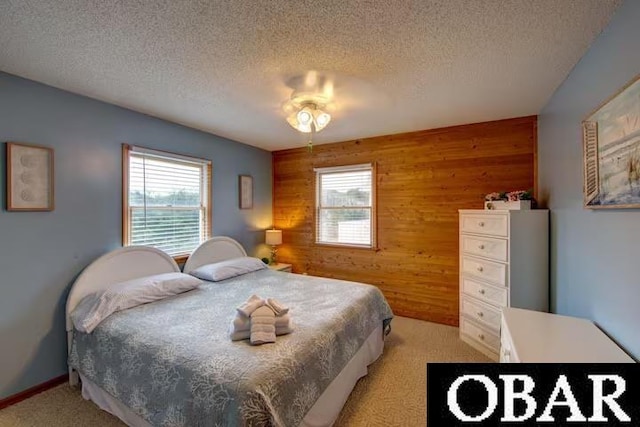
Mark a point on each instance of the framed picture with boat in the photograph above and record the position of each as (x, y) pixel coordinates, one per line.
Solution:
(611, 144)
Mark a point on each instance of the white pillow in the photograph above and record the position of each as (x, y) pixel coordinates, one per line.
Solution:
(96, 307)
(229, 268)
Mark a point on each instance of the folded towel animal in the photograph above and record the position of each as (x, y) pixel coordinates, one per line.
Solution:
(263, 326)
(244, 334)
(250, 305)
(242, 326)
(255, 301)
(277, 307)
(242, 323)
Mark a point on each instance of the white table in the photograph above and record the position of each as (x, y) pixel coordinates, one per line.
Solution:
(535, 337)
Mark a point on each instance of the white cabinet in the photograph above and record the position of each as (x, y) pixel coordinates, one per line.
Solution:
(504, 262)
(534, 337)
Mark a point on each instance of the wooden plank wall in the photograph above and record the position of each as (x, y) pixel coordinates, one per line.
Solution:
(423, 178)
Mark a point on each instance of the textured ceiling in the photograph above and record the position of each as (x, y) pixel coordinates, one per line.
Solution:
(227, 67)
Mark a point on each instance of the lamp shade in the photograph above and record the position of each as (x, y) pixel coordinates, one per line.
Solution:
(274, 237)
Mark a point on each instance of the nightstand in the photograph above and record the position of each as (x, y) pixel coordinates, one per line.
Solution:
(280, 267)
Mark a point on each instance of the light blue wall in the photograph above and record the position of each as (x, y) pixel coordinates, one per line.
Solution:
(595, 255)
(41, 253)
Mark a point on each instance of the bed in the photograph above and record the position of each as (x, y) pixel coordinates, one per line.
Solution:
(171, 362)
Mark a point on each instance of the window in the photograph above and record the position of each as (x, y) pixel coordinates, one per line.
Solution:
(166, 200)
(345, 212)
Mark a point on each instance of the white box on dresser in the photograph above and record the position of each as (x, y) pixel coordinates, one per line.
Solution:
(504, 262)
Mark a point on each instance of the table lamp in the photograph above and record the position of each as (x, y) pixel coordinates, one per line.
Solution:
(273, 238)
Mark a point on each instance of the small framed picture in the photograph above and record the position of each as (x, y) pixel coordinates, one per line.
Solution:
(30, 181)
(246, 191)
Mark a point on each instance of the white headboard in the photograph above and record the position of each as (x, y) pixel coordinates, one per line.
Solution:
(117, 266)
(216, 249)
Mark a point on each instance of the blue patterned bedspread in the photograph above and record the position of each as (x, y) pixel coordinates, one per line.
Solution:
(172, 361)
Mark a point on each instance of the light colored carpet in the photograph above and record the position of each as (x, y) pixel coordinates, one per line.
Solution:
(393, 394)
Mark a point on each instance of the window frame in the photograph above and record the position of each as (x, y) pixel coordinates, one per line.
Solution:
(206, 194)
(372, 167)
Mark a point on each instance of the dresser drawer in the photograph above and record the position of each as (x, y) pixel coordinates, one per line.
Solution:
(480, 334)
(494, 225)
(485, 246)
(481, 313)
(507, 354)
(485, 292)
(493, 272)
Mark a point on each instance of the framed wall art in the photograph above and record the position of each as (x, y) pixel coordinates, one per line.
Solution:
(611, 144)
(30, 182)
(246, 191)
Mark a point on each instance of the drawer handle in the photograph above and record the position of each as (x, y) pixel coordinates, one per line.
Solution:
(481, 247)
(480, 314)
(480, 269)
(482, 291)
(481, 336)
(481, 224)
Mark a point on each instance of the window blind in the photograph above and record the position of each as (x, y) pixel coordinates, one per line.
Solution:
(167, 201)
(344, 199)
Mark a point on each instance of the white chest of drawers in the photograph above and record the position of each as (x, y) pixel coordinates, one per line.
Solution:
(534, 337)
(504, 262)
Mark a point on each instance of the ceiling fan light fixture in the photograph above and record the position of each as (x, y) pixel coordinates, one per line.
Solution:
(310, 117)
(305, 116)
(321, 119)
(293, 121)
(306, 113)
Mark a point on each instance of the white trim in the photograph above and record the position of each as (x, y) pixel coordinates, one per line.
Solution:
(167, 155)
(362, 167)
(345, 245)
(141, 154)
(346, 168)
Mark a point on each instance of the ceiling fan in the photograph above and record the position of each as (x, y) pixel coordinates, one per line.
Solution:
(316, 99)
(308, 108)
